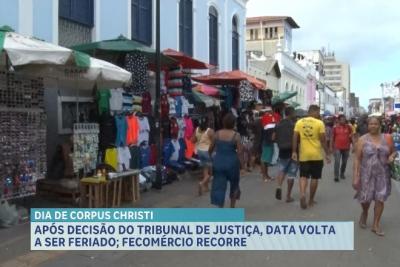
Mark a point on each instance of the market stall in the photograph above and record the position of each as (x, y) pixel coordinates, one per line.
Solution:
(26, 64)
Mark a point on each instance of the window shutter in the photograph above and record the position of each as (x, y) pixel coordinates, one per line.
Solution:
(80, 11)
(142, 25)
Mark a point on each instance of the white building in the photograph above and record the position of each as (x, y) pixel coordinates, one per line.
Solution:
(209, 30)
(327, 100)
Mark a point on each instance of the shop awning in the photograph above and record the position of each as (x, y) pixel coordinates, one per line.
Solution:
(116, 49)
(207, 100)
(32, 57)
(230, 78)
(186, 61)
(292, 104)
(209, 90)
(282, 97)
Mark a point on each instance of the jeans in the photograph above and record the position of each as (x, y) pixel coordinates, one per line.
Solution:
(341, 155)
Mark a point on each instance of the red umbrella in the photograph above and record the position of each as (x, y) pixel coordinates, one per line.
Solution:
(229, 78)
(207, 90)
(186, 61)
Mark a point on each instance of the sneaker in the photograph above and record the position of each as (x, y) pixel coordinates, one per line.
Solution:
(278, 194)
(336, 179)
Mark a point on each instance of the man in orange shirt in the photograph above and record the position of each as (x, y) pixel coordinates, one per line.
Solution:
(342, 135)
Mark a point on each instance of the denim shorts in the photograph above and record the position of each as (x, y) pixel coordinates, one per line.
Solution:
(204, 157)
(288, 167)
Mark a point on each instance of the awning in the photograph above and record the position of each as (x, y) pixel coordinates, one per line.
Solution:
(292, 104)
(282, 97)
(36, 58)
(209, 90)
(115, 49)
(230, 78)
(207, 100)
(186, 61)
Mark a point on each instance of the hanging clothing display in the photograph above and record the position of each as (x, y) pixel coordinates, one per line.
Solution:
(135, 157)
(124, 158)
(86, 141)
(108, 130)
(103, 98)
(122, 126)
(137, 103)
(146, 103)
(182, 126)
(246, 91)
(172, 106)
(127, 102)
(137, 64)
(133, 129)
(144, 130)
(164, 106)
(189, 128)
(111, 158)
(116, 99)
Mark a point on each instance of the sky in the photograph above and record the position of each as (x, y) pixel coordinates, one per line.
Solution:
(363, 33)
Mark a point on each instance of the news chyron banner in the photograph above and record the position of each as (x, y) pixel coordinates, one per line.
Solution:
(179, 229)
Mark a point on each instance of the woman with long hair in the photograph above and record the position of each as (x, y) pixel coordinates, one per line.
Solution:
(203, 138)
(374, 153)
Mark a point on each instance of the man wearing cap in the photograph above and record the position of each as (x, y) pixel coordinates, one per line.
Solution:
(268, 121)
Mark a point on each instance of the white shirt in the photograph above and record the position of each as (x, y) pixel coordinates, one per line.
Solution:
(172, 106)
(116, 99)
(185, 106)
(177, 147)
(182, 126)
(124, 157)
(144, 130)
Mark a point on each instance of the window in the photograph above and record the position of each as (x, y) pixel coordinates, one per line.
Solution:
(186, 27)
(251, 34)
(80, 11)
(235, 44)
(286, 86)
(142, 26)
(270, 33)
(256, 34)
(276, 32)
(266, 33)
(213, 36)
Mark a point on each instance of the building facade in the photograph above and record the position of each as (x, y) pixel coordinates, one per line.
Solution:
(209, 30)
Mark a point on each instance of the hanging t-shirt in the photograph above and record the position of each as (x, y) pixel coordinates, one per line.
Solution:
(146, 103)
(132, 135)
(144, 130)
(108, 131)
(103, 98)
(178, 107)
(111, 158)
(122, 126)
(172, 106)
(174, 128)
(116, 99)
(246, 91)
(127, 102)
(135, 157)
(189, 128)
(190, 148)
(182, 127)
(124, 157)
(185, 106)
(137, 63)
(177, 147)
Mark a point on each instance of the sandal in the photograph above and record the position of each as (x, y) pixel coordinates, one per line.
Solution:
(378, 232)
(362, 224)
(289, 200)
(303, 203)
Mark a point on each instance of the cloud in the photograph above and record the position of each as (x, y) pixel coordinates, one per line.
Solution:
(362, 33)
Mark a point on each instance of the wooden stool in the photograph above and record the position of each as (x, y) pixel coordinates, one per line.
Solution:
(131, 188)
(92, 192)
(114, 186)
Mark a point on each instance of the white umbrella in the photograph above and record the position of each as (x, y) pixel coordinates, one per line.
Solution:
(34, 57)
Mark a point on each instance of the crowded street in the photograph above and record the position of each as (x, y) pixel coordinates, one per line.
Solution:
(334, 203)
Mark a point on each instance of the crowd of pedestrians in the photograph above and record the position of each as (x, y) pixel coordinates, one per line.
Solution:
(299, 147)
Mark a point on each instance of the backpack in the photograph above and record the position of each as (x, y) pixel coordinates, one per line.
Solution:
(284, 134)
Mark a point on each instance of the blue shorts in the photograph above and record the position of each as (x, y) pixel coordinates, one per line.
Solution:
(288, 167)
(204, 157)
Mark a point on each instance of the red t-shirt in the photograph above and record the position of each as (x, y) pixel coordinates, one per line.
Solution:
(277, 117)
(268, 119)
(342, 136)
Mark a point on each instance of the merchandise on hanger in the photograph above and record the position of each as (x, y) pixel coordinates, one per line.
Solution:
(133, 129)
(86, 141)
(172, 106)
(124, 158)
(144, 130)
(146, 103)
(116, 99)
(135, 157)
(164, 106)
(189, 128)
(127, 102)
(108, 131)
(246, 91)
(137, 64)
(122, 126)
(103, 98)
(137, 103)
